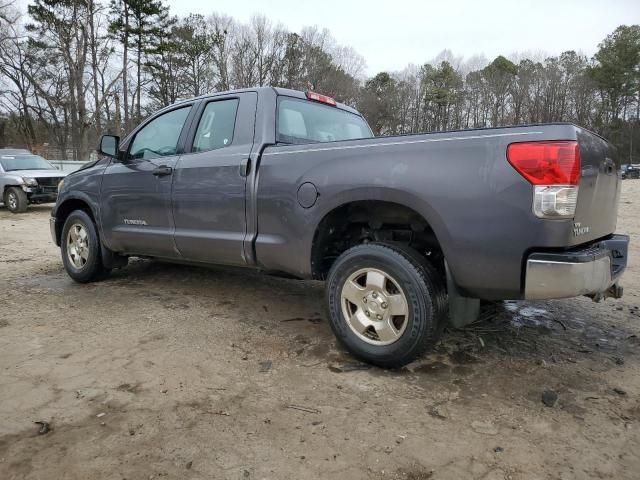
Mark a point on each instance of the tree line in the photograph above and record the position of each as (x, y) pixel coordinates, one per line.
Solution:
(71, 70)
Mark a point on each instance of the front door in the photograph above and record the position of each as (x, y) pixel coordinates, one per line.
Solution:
(209, 181)
(136, 191)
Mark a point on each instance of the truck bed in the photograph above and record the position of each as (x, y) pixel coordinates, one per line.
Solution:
(478, 205)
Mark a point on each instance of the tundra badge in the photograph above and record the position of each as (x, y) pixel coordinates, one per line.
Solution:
(578, 229)
(135, 222)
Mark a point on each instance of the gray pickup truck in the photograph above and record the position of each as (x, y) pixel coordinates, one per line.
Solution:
(409, 232)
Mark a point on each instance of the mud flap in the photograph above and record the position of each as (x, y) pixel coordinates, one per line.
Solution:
(111, 260)
(462, 310)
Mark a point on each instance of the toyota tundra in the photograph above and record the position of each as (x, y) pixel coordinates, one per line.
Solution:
(409, 232)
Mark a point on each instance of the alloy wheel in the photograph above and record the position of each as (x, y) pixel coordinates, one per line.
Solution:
(374, 306)
(78, 245)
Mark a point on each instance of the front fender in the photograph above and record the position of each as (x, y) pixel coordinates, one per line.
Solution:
(7, 180)
(69, 201)
(66, 197)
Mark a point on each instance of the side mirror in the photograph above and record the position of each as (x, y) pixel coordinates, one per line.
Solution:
(109, 145)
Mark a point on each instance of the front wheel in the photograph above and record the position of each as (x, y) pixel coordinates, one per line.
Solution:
(80, 248)
(387, 304)
(16, 200)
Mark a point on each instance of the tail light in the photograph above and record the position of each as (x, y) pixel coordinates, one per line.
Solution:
(553, 168)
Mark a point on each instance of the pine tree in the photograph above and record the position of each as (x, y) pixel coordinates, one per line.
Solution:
(137, 24)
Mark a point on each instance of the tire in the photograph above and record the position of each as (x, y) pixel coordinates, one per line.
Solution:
(81, 257)
(16, 200)
(389, 340)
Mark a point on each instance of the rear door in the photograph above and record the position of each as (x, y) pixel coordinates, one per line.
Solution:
(135, 202)
(209, 184)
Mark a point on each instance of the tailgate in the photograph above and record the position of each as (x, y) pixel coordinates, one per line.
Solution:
(599, 189)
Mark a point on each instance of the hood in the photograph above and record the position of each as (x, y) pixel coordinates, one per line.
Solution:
(37, 173)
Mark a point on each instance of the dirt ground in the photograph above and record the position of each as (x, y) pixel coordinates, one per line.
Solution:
(166, 371)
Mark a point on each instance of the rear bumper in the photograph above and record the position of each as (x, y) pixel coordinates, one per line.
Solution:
(593, 270)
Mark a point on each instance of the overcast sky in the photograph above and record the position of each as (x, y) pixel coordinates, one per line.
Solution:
(392, 33)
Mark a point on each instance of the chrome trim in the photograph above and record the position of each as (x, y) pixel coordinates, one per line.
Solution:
(408, 142)
(550, 279)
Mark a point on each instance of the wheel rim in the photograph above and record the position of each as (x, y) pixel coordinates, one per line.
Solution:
(78, 245)
(374, 306)
(12, 201)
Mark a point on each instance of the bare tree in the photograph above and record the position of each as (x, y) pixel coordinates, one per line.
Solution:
(72, 69)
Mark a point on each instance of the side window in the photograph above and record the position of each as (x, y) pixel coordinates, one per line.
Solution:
(159, 138)
(216, 126)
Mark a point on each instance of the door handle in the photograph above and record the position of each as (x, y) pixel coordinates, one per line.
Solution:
(245, 167)
(162, 171)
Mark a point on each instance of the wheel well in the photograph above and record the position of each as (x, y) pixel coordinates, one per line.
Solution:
(7, 187)
(65, 209)
(371, 221)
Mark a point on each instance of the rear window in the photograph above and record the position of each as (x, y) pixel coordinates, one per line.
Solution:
(304, 121)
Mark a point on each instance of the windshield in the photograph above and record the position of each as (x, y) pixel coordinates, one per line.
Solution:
(24, 162)
(303, 121)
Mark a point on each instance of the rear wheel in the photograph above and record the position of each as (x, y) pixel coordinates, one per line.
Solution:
(80, 248)
(16, 200)
(386, 303)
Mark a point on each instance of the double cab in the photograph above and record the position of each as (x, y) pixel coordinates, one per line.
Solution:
(409, 232)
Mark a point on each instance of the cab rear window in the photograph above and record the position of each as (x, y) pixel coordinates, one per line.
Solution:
(304, 121)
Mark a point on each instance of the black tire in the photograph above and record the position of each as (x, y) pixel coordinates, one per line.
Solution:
(424, 290)
(16, 200)
(93, 269)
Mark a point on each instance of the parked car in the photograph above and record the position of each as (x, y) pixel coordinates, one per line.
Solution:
(26, 178)
(632, 170)
(408, 232)
(14, 151)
